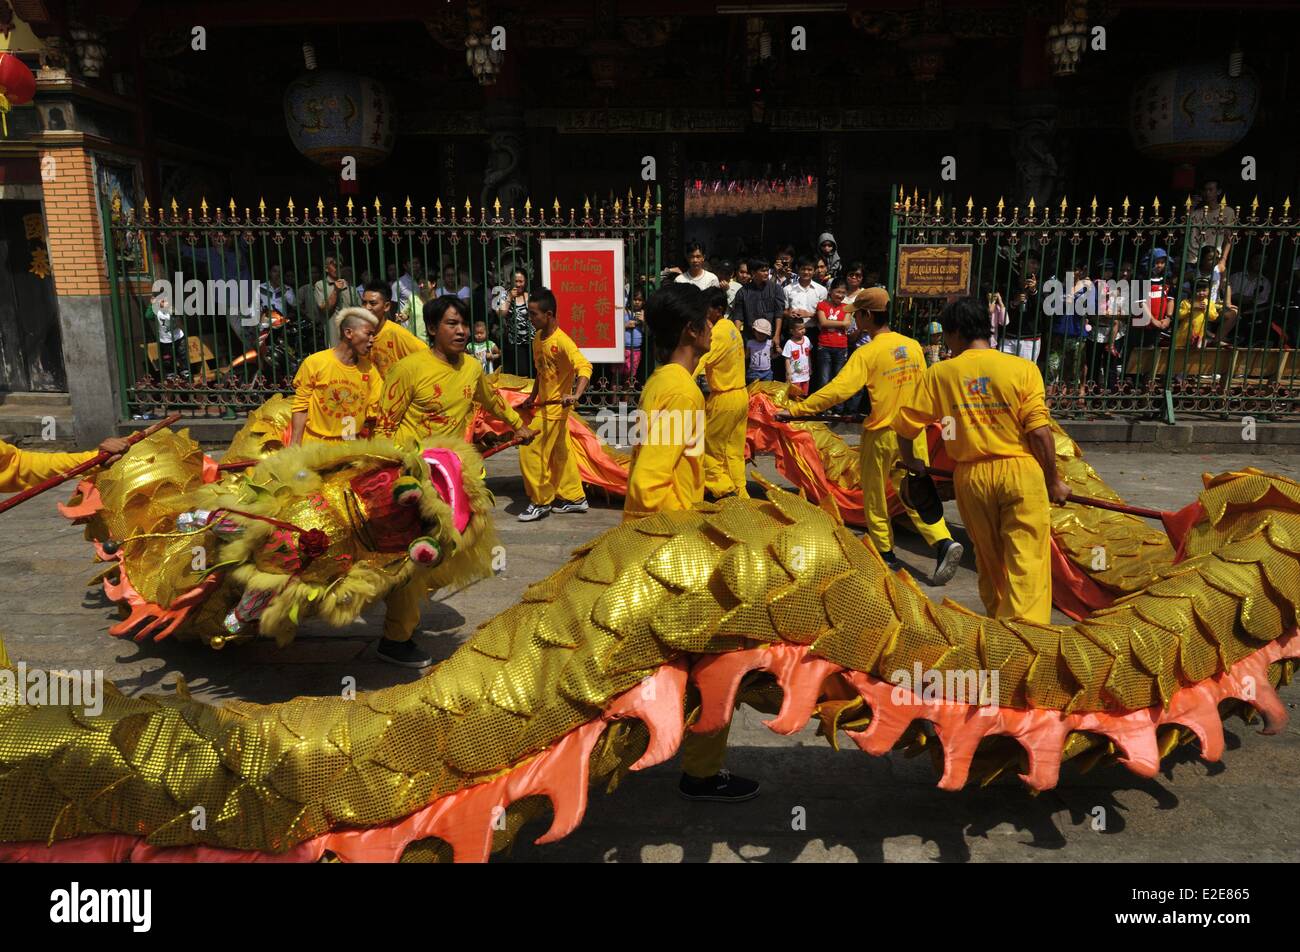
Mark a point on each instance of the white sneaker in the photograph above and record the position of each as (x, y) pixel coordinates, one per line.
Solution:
(564, 505)
(533, 513)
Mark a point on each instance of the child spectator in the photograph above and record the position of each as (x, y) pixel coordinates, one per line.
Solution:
(484, 350)
(633, 318)
(1193, 314)
(758, 352)
(798, 358)
(934, 344)
(833, 336)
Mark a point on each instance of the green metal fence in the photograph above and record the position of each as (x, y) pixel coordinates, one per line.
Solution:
(1105, 301)
(248, 295)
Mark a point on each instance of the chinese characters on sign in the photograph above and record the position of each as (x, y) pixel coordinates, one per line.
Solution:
(929, 271)
(586, 277)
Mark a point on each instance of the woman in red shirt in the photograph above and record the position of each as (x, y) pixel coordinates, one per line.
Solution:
(833, 339)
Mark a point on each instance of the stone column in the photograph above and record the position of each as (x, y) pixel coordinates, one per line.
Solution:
(76, 244)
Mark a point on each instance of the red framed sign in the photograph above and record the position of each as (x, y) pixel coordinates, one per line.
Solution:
(586, 277)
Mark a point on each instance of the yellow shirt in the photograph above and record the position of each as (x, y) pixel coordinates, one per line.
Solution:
(1197, 316)
(391, 344)
(23, 469)
(424, 395)
(668, 463)
(558, 364)
(724, 365)
(993, 399)
(889, 366)
(332, 393)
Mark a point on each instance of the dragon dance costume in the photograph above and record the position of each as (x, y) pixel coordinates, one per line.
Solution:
(656, 627)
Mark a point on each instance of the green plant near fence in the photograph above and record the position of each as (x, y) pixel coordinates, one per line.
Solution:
(1049, 270)
(251, 292)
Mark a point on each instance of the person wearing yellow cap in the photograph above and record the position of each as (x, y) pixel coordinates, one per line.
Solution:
(335, 390)
(727, 407)
(889, 366)
(23, 469)
(995, 427)
(667, 474)
(432, 392)
(548, 465)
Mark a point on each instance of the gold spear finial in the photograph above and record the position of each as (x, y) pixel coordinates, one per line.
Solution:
(1254, 205)
(586, 208)
(1124, 206)
(146, 209)
(320, 207)
(469, 209)
(970, 204)
(176, 208)
(1286, 207)
(1094, 206)
(437, 207)
(528, 208)
(1155, 205)
(557, 208)
(233, 210)
(261, 207)
(1187, 205)
(1031, 206)
(203, 206)
(290, 206)
(1001, 205)
(378, 208)
(938, 205)
(349, 208)
(496, 207)
(1064, 206)
(408, 206)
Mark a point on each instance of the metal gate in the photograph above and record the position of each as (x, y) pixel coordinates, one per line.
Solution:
(254, 289)
(1049, 268)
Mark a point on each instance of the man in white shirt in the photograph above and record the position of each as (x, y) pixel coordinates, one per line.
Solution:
(803, 296)
(450, 285)
(1251, 292)
(695, 273)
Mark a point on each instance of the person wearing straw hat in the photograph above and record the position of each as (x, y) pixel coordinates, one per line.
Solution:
(996, 428)
(336, 389)
(889, 367)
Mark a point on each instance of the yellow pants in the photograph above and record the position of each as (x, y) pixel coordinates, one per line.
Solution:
(1003, 503)
(704, 754)
(878, 464)
(548, 465)
(726, 418)
(403, 615)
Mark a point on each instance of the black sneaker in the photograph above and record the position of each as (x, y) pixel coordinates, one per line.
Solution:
(722, 787)
(533, 513)
(406, 654)
(892, 563)
(948, 555)
(564, 505)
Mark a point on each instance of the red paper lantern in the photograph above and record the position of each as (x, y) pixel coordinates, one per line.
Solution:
(17, 86)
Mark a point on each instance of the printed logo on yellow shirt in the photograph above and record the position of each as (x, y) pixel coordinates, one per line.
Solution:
(976, 386)
(900, 353)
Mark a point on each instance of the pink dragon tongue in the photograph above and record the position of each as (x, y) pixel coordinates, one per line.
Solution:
(444, 472)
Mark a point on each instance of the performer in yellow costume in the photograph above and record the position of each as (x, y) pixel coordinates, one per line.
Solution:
(23, 469)
(668, 474)
(336, 390)
(549, 467)
(996, 429)
(432, 392)
(889, 367)
(391, 341)
(727, 407)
